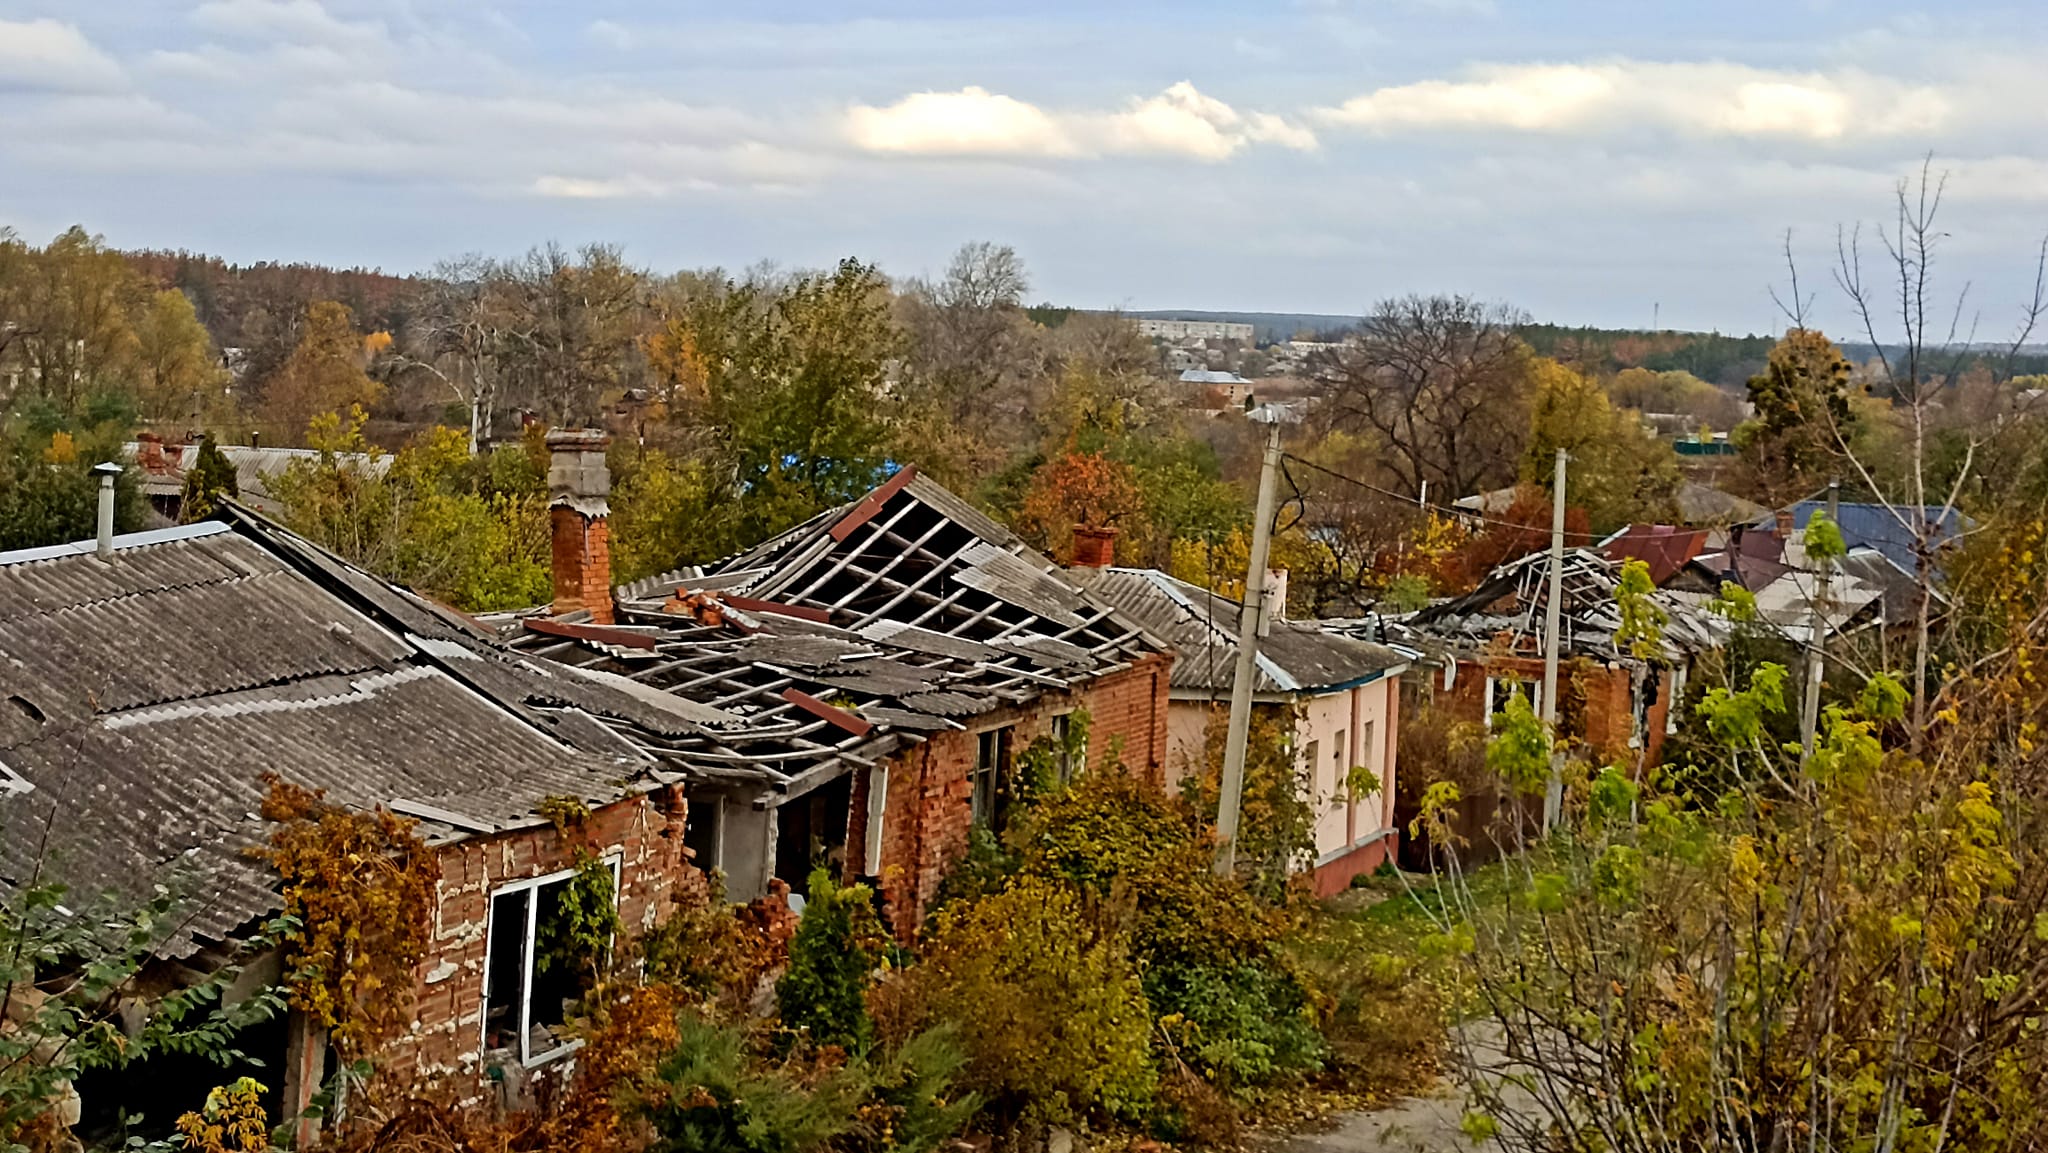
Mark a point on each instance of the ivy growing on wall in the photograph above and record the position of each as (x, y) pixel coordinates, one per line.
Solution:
(357, 891)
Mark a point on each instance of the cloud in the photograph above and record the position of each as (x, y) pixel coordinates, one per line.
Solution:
(1180, 121)
(604, 32)
(295, 21)
(46, 55)
(972, 121)
(1704, 99)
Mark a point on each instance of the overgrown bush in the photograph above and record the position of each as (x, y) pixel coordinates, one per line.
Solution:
(833, 956)
(1047, 1004)
(1240, 1025)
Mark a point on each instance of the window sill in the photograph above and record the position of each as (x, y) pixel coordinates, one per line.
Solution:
(554, 1055)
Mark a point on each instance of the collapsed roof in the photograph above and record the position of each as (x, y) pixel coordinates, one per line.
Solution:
(1508, 609)
(145, 697)
(846, 638)
(1293, 657)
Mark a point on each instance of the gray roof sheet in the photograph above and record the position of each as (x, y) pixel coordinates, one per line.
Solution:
(142, 700)
(1295, 656)
(908, 608)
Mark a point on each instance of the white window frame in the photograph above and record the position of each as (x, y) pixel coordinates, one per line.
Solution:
(1533, 688)
(616, 858)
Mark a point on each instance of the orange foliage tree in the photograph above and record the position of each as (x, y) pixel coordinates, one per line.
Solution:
(1078, 489)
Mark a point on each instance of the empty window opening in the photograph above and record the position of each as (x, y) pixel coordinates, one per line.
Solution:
(1500, 691)
(528, 998)
(704, 831)
(810, 834)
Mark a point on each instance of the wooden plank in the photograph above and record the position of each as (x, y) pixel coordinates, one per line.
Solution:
(872, 503)
(830, 714)
(597, 633)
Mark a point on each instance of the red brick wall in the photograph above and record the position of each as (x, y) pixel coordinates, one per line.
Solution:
(581, 554)
(648, 830)
(929, 811)
(1608, 693)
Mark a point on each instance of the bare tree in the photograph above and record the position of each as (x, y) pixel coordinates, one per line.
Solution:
(1444, 382)
(1927, 356)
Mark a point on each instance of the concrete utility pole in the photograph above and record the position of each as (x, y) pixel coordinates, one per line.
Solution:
(1817, 628)
(1553, 625)
(1232, 792)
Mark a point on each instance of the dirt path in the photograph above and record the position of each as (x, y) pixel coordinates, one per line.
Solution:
(1417, 1125)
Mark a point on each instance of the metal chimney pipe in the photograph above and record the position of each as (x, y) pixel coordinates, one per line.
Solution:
(106, 471)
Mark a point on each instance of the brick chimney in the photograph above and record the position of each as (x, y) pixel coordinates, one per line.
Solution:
(579, 516)
(1784, 524)
(149, 453)
(1094, 547)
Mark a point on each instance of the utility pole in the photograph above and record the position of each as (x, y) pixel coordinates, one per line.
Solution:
(1232, 792)
(1553, 625)
(1816, 625)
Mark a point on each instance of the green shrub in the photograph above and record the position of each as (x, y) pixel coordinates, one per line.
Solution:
(1241, 1026)
(1047, 1005)
(837, 946)
(715, 1097)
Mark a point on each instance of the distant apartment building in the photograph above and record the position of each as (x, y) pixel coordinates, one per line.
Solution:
(1195, 330)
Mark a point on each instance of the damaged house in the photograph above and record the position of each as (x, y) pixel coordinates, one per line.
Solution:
(1344, 694)
(864, 689)
(1480, 649)
(148, 682)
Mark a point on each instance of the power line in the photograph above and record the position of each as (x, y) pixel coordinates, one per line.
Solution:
(1445, 510)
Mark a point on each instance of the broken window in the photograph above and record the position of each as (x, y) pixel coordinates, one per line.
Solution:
(1072, 754)
(703, 831)
(1500, 692)
(991, 750)
(527, 1004)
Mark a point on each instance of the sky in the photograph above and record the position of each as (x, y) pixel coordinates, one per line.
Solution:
(1608, 162)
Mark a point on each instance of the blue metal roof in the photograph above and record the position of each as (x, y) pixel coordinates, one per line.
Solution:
(1875, 526)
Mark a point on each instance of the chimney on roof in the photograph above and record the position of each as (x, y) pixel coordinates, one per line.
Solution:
(579, 517)
(106, 471)
(1094, 547)
(149, 452)
(1784, 524)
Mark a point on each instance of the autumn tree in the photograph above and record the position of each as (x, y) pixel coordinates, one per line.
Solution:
(786, 383)
(323, 375)
(971, 357)
(71, 309)
(177, 372)
(1615, 470)
(1794, 445)
(566, 328)
(1078, 490)
(210, 479)
(1443, 382)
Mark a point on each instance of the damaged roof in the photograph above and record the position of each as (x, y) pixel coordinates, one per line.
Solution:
(1293, 657)
(1509, 606)
(143, 698)
(836, 643)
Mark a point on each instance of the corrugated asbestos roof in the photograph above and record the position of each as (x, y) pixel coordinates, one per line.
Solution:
(902, 613)
(1508, 608)
(1295, 656)
(142, 699)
